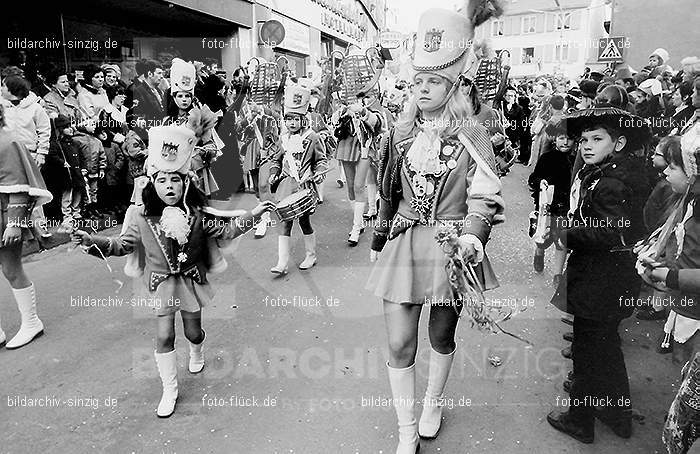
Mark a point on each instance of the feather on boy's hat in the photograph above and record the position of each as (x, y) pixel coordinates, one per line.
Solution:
(182, 76)
(297, 99)
(169, 149)
(443, 43)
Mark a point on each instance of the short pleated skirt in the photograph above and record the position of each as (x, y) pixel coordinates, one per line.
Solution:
(348, 150)
(411, 270)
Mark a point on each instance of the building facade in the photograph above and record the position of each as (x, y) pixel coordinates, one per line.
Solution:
(650, 24)
(549, 36)
(77, 32)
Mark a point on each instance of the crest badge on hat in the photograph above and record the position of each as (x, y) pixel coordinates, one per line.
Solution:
(182, 76)
(169, 149)
(297, 99)
(433, 38)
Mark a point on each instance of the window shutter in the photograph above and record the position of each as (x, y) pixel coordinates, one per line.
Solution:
(575, 20)
(548, 53)
(539, 23)
(551, 20)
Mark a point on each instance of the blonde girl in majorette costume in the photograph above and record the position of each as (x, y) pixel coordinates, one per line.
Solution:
(173, 231)
(436, 168)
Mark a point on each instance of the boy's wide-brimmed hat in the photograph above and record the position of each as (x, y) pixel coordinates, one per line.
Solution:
(169, 149)
(634, 128)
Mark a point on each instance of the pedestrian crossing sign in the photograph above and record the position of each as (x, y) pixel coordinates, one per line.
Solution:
(611, 49)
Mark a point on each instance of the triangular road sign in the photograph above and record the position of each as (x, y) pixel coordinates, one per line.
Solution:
(611, 52)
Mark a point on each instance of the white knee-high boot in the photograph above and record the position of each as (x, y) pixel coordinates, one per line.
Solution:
(431, 418)
(283, 256)
(261, 228)
(167, 368)
(197, 356)
(310, 246)
(31, 327)
(357, 223)
(403, 390)
(371, 201)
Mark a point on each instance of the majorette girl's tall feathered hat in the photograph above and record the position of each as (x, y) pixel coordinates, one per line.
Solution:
(296, 99)
(182, 76)
(444, 43)
(170, 149)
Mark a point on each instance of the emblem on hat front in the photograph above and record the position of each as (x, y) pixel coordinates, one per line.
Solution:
(185, 81)
(169, 151)
(297, 99)
(433, 39)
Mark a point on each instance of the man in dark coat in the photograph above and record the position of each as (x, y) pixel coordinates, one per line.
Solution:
(147, 98)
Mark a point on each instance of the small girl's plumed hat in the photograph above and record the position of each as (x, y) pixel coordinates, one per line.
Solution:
(169, 149)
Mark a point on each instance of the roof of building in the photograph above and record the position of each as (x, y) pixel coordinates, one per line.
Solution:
(513, 7)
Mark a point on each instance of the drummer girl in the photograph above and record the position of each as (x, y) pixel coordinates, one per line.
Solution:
(436, 167)
(300, 164)
(174, 231)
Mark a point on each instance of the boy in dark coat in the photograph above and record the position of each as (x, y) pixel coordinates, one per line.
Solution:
(600, 283)
(65, 159)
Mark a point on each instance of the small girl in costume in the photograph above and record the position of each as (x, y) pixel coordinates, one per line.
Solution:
(300, 164)
(173, 231)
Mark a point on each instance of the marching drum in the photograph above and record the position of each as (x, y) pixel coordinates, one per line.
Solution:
(296, 205)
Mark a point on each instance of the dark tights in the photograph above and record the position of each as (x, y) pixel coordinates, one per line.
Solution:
(304, 224)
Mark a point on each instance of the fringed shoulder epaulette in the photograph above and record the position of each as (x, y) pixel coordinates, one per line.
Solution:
(479, 136)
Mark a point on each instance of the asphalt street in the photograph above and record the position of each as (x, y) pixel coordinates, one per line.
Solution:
(296, 365)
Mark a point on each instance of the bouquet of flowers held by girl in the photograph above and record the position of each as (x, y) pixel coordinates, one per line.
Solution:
(468, 289)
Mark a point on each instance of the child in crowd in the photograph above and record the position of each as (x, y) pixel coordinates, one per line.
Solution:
(65, 157)
(95, 163)
(605, 216)
(657, 210)
(555, 168)
(677, 271)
